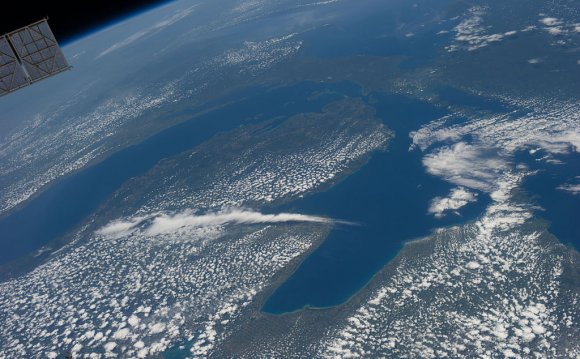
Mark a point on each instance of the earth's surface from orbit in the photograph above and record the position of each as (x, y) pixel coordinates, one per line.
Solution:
(295, 178)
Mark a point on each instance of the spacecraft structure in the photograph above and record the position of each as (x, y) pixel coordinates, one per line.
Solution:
(28, 55)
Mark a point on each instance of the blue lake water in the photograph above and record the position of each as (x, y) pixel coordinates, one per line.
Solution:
(68, 202)
(560, 208)
(389, 198)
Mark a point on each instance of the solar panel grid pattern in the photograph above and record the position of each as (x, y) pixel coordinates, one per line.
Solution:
(39, 51)
(12, 76)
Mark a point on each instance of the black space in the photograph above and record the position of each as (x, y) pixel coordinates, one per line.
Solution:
(68, 20)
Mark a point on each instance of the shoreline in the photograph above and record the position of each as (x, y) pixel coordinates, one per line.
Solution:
(316, 322)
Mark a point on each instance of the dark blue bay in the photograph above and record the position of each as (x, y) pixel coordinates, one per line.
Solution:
(389, 198)
(68, 202)
(560, 208)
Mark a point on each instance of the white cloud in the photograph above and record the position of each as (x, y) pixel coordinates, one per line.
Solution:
(563, 28)
(160, 223)
(318, 3)
(121, 228)
(122, 334)
(554, 30)
(551, 125)
(539, 124)
(155, 28)
(133, 321)
(255, 56)
(529, 28)
(549, 21)
(129, 40)
(466, 165)
(569, 187)
(246, 6)
(562, 143)
(472, 34)
(457, 198)
(473, 265)
(170, 223)
(157, 328)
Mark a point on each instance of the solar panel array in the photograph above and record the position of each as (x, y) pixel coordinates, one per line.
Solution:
(12, 76)
(28, 55)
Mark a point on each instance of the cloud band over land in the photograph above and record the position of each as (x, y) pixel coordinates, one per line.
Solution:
(161, 223)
